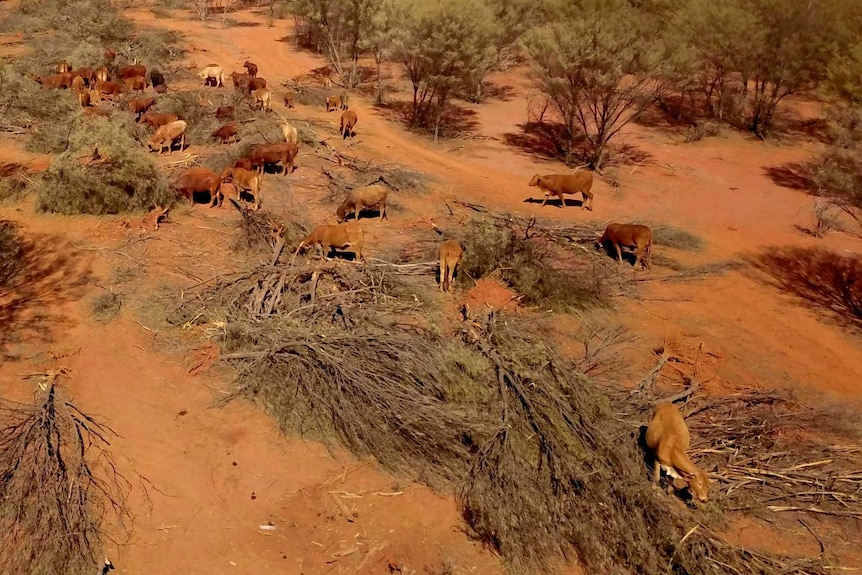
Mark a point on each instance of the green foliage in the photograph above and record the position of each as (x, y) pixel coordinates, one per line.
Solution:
(597, 67)
(443, 45)
(124, 179)
(845, 75)
(45, 114)
(80, 19)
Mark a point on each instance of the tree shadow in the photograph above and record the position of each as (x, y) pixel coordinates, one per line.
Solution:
(37, 273)
(538, 139)
(793, 175)
(827, 281)
(456, 121)
(492, 91)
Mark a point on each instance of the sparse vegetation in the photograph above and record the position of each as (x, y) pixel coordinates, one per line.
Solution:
(119, 175)
(106, 307)
(60, 485)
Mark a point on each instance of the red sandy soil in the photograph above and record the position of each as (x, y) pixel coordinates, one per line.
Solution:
(214, 475)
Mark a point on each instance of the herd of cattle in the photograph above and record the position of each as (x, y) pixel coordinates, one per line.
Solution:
(246, 174)
(667, 435)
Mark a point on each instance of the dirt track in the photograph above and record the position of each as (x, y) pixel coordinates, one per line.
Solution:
(217, 474)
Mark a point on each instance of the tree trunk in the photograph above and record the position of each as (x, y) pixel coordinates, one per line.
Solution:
(379, 99)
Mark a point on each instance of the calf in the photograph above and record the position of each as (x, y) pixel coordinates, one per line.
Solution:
(451, 253)
(244, 163)
(151, 220)
(338, 236)
(280, 152)
(138, 106)
(240, 81)
(668, 438)
(224, 113)
(78, 84)
(559, 184)
(156, 120)
(263, 97)
(251, 67)
(197, 180)
(361, 198)
(226, 132)
(85, 73)
(156, 78)
(83, 97)
(62, 81)
(332, 103)
(166, 135)
(213, 71)
(288, 99)
(348, 121)
(631, 236)
(256, 84)
(289, 132)
(108, 89)
(244, 181)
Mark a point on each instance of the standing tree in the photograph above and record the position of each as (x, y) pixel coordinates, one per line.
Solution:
(379, 39)
(598, 68)
(441, 44)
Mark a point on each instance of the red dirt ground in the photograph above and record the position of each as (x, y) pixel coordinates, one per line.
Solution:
(217, 474)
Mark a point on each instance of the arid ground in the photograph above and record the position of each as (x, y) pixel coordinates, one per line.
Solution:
(206, 476)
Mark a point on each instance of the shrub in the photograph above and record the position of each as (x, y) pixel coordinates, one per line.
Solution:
(106, 307)
(124, 177)
(525, 265)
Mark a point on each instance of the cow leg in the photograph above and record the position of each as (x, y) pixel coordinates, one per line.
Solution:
(587, 195)
(545, 201)
(648, 256)
(638, 255)
(619, 252)
(383, 211)
(451, 278)
(562, 200)
(442, 274)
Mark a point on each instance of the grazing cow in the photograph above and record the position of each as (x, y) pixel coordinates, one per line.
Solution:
(362, 198)
(224, 113)
(348, 121)
(132, 71)
(63, 67)
(156, 78)
(226, 132)
(338, 236)
(156, 120)
(244, 163)
(138, 106)
(244, 181)
(289, 132)
(166, 135)
(240, 81)
(332, 103)
(102, 74)
(451, 253)
(78, 84)
(212, 71)
(668, 438)
(559, 184)
(83, 97)
(161, 89)
(288, 99)
(197, 180)
(256, 84)
(279, 152)
(62, 81)
(251, 67)
(631, 236)
(138, 83)
(85, 73)
(108, 89)
(263, 97)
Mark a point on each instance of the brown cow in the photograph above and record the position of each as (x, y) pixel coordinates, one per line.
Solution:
(156, 120)
(256, 84)
(361, 198)
(226, 132)
(78, 84)
(224, 113)
(132, 71)
(240, 81)
(138, 83)
(167, 135)
(85, 73)
(108, 89)
(83, 97)
(279, 152)
(338, 236)
(264, 98)
(244, 163)
(251, 67)
(451, 254)
(138, 106)
(56, 81)
(244, 181)
(559, 184)
(196, 180)
(332, 103)
(632, 236)
(668, 438)
(288, 99)
(348, 121)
